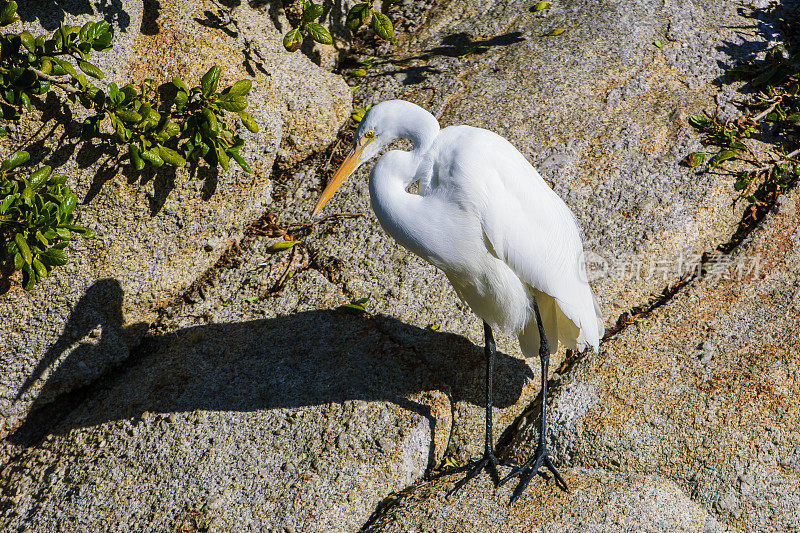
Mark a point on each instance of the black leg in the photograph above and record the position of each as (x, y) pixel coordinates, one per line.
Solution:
(488, 461)
(540, 458)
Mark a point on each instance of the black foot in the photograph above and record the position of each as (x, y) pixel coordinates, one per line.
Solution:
(540, 458)
(488, 462)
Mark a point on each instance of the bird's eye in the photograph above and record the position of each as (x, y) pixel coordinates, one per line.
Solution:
(370, 134)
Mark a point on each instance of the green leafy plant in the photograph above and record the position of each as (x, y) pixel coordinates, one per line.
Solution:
(358, 307)
(308, 26)
(365, 12)
(30, 65)
(540, 6)
(773, 111)
(357, 114)
(190, 126)
(307, 23)
(37, 219)
(152, 128)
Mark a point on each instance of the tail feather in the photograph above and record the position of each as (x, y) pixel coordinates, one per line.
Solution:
(560, 329)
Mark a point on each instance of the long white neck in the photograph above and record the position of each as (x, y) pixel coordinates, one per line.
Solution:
(401, 213)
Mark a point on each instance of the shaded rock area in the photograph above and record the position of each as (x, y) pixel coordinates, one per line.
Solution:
(239, 425)
(157, 231)
(241, 398)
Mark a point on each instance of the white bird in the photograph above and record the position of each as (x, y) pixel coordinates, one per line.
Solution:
(508, 244)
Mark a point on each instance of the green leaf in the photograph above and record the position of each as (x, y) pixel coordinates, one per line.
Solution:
(382, 25)
(66, 66)
(58, 179)
(311, 11)
(362, 301)
(241, 162)
(136, 158)
(698, 121)
(222, 157)
(7, 201)
(737, 145)
(129, 115)
(281, 246)
(722, 156)
(357, 15)
(240, 88)
(152, 157)
(248, 122)
(87, 31)
(18, 261)
(86, 233)
(359, 72)
(211, 122)
(171, 156)
(40, 176)
(68, 204)
(180, 100)
(354, 309)
(696, 159)
(8, 13)
(103, 42)
(293, 40)
(319, 33)
(252, 299)
(357, 114)
(235, 104)
(14, 160)
(28, 41)
(210, 80)
(180, 84)
(54, 257)
(658, 44)
(23, 248)
(541, 6)
(91, 69)
(170, 130)
(28, 277)
(39, 268)
(555, 32)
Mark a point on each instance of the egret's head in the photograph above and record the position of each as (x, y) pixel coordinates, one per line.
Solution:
(367, 142)
(382, 124)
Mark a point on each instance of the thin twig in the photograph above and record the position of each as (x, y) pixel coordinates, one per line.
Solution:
(325, 219)
(282, 280)
(790, 155)
(56, 81)
(328, 162)
(768, 110)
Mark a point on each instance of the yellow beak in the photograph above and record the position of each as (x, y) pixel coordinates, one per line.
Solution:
(348, 166)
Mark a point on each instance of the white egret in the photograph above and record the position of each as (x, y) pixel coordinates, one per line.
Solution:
(508, 244)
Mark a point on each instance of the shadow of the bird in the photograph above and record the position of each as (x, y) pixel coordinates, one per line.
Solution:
(304, 359)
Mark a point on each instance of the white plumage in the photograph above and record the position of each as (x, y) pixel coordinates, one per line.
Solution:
(485, 217)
